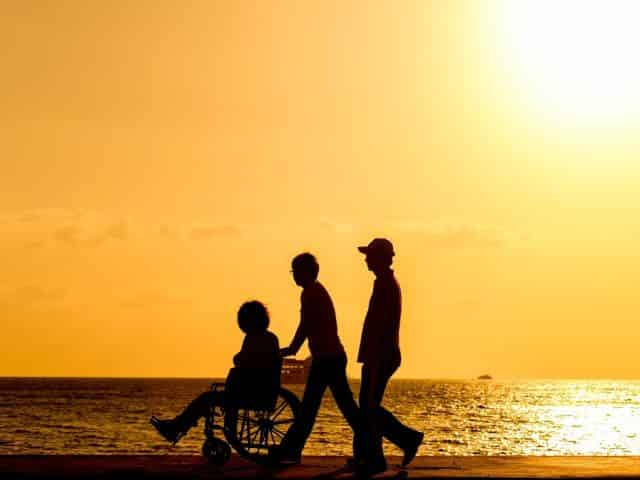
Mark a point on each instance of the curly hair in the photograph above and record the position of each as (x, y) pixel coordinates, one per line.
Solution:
(253, 317)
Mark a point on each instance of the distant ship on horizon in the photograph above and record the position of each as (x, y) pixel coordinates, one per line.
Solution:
(486, 376)
(295, 372)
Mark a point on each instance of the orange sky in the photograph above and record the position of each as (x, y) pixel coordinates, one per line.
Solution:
(162, 162)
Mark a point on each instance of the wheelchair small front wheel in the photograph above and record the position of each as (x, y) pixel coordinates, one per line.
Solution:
(216, 451)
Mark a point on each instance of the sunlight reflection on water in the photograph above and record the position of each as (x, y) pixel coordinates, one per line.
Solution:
(110, 416)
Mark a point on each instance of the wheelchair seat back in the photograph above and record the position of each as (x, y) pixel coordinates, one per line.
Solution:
(253, 388)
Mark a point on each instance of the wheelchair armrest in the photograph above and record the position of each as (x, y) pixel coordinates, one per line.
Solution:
(217, 386)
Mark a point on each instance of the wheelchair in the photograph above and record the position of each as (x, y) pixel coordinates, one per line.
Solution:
(254, 418)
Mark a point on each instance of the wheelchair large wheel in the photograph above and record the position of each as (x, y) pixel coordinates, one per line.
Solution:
(253, 433)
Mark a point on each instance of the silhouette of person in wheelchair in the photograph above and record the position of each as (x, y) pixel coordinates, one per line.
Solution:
(257, 411)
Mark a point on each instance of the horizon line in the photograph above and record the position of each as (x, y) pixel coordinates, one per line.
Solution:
(135, 377)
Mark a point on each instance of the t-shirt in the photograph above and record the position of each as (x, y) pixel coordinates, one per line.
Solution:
(380, 342)
(259, 350)
(318, 322)
(255, 380)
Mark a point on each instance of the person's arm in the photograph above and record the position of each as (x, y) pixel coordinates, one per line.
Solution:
(301, 332)
(388, 341)
(258, 351)
(240, 358)
(298, 339)
(274, 351)
(382, 312)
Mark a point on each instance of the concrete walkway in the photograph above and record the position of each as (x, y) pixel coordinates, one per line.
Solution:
(196, 467)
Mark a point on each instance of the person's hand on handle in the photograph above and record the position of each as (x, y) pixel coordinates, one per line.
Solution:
(286, 352)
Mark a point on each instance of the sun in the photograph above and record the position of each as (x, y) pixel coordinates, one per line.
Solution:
(575, 61)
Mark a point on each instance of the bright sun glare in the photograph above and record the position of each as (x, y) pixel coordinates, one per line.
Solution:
(575, 60)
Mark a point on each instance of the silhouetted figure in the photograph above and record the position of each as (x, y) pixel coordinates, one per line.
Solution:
(328, 367)
(259, 353)
(379, 354)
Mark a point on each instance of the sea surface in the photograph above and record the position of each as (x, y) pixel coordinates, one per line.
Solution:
(111, 416)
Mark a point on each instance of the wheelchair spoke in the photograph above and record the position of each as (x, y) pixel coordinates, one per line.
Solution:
(255, 437)
(249, 427)
(242, 427)
(255, 434)
(247, 430)
(279, 409)
(283, 422)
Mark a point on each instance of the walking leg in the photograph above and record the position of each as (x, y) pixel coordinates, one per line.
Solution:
(371, 390)
(391, 428)
(296, 437)
(343, 396)
(395, 431)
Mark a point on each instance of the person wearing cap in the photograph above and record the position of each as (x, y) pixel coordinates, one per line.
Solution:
(379, 354)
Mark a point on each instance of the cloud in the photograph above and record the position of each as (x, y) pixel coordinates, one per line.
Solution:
(167, 231)
(68, 234)
(42, 215)
(143, 300)
(464, 237)
(92, 234)
(437, 236)
(214, 231)
(79, 228)
(37, 228)
(442, 236)
(467, 302)
(34, 244)
(31, 216)
(116, 231)
(337, 227)
(35, 293)
(31, 295)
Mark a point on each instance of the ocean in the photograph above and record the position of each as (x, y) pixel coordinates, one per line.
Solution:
(111, 416)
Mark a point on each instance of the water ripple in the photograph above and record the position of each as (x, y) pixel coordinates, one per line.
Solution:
(110, 416)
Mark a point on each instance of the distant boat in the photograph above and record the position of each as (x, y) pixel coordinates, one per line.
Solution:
(295, 371)
(486, 376)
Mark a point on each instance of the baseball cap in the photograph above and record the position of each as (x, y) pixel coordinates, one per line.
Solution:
(380, 246)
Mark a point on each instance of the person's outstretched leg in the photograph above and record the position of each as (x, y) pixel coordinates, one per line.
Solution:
(293, 442)
(172, 430)
(198, 408)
